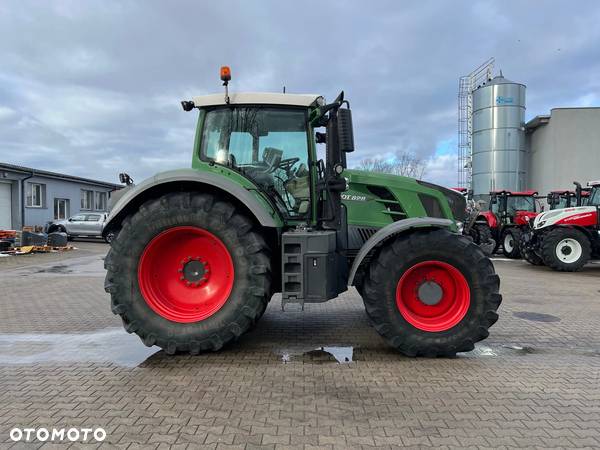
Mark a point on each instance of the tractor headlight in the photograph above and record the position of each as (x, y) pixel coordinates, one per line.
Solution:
(460, 226)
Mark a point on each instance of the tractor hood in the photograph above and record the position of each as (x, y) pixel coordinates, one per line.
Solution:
(523, 217)
(581, 216)
(399, 197)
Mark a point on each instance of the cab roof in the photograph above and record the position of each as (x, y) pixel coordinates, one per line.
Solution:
(517, 193)
(260, 98)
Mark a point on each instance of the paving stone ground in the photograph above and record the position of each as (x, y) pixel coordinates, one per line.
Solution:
(65, 362)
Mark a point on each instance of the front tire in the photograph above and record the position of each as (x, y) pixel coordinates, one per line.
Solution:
(510, 243)
(528, 252)
(188, 273)
(432, 293)
(566, 249)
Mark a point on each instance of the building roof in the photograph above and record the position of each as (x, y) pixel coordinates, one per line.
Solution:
(537, 121)
(543, 119)
(263, 98)
(56, 175)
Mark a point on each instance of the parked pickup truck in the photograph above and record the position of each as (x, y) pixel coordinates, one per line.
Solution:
(82, 224)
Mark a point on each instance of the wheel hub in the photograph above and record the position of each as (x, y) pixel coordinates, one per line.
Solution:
(194, 271)
(430, 293)
(566, 250)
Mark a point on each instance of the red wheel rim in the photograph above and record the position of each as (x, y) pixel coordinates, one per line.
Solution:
(433, 296)
(185, 274)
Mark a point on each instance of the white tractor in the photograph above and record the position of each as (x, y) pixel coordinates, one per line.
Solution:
(566, 239)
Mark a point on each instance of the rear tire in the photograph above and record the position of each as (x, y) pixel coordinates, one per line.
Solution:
(566, 249)
(510, 242)
(481, 233)
(467, 293)
(166, 304)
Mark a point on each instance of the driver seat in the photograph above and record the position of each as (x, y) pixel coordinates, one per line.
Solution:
(299, 188)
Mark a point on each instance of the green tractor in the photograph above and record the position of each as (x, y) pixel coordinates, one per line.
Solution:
(198, 253)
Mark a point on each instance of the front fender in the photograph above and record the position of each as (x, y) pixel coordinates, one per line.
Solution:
(393, 229)
(264, 214)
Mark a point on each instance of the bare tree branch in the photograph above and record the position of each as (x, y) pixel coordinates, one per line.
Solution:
(406, 164)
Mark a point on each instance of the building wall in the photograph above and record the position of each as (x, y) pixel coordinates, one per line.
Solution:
(54, 188)
(14, 180)
(564, 150)
(64, 189)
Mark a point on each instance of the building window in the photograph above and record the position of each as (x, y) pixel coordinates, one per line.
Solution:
(35, 195)
(61, 208)
(87, 199)
(100, 201)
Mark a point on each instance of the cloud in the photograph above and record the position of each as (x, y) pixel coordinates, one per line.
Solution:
(93, 88)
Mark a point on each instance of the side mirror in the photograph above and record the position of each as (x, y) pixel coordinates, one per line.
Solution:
(70, 219)
(345, 132)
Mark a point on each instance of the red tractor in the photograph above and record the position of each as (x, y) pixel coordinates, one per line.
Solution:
(567, 199)
(505, 220)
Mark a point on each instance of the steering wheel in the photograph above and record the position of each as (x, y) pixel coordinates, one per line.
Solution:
(287, 164)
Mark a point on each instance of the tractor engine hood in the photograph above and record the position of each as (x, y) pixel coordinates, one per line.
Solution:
(523, 217)
(580, 216)
(400, 186)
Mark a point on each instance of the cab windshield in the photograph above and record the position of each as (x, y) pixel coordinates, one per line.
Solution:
(520, 204)
(266, 144)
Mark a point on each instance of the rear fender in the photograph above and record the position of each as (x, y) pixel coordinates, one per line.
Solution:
(181, 179)
(393, 229)
(489, 218)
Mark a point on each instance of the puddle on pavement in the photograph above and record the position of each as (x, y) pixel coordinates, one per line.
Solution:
(536, 317)
(55, 269)
(482, 350)
(110, 345)
(320, 355)
(89, 266)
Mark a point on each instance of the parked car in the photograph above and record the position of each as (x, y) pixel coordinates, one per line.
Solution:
(82, 224)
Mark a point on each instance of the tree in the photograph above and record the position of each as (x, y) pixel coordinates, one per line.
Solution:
(406, 164)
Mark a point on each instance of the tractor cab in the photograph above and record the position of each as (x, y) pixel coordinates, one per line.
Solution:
(561, 199)
(593, 194)
(515, 207)
(582, 194)
(269, 139)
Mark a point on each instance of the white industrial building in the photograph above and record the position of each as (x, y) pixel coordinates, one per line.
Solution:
(563, 147)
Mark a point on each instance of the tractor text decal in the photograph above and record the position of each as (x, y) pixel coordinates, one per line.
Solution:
(355, 198)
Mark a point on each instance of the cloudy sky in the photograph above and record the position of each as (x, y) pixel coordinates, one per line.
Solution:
(93, 88)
